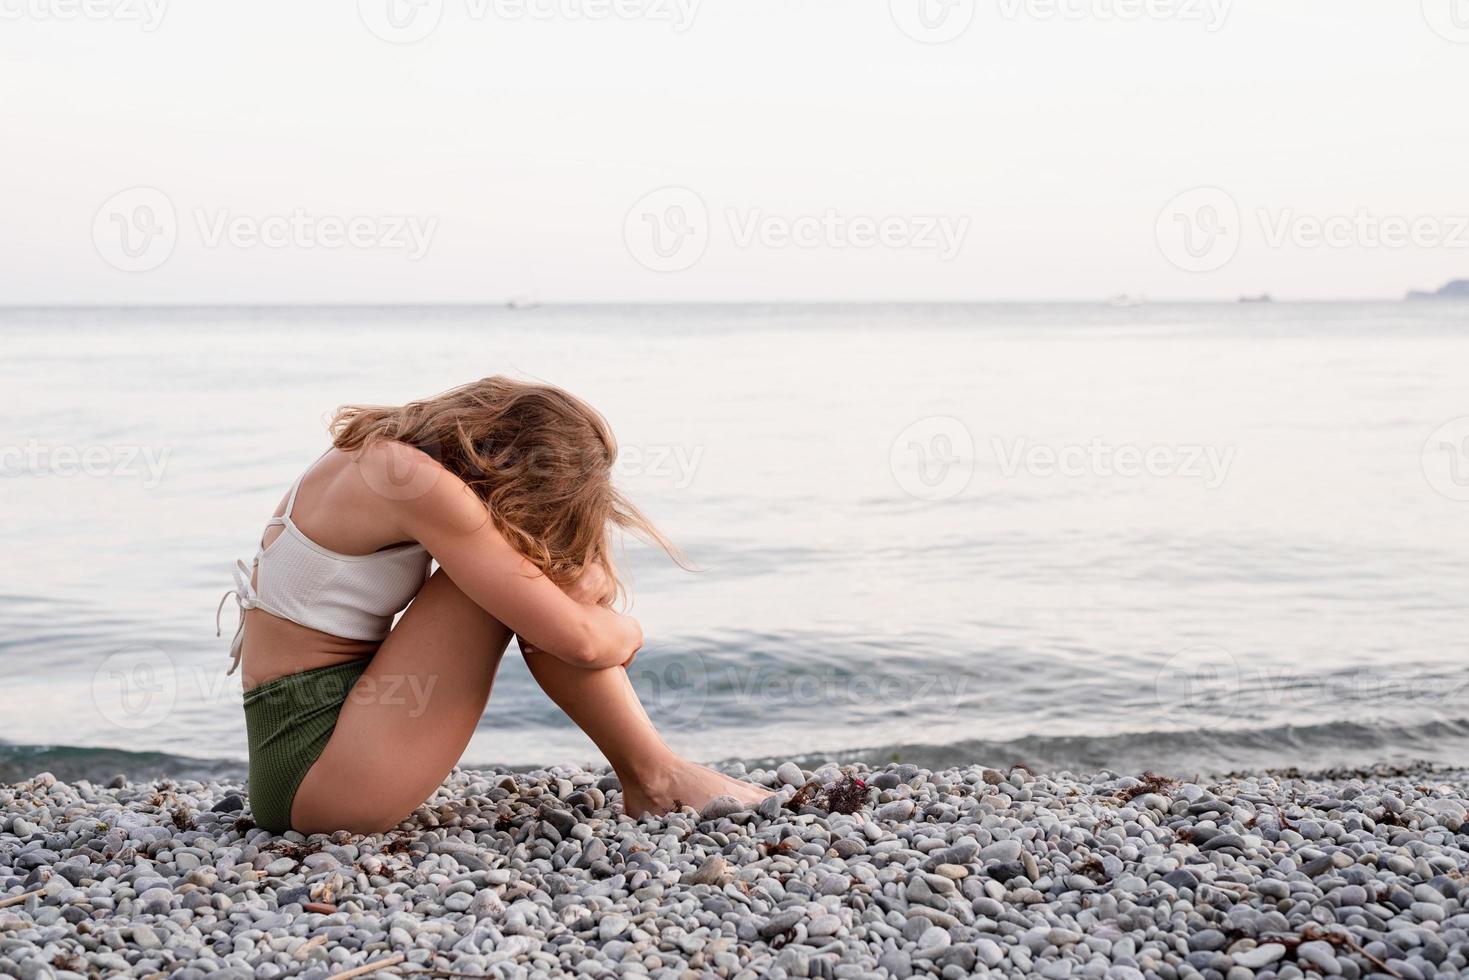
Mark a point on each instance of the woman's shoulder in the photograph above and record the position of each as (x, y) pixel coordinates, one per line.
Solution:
(416, 484)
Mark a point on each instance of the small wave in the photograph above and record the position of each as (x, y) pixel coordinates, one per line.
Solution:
(1189, 753)
(1203, 753)
(71, 763)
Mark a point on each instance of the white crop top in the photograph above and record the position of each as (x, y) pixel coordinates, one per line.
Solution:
(351, 596)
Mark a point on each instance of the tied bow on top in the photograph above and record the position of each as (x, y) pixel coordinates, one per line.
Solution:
(246, 598)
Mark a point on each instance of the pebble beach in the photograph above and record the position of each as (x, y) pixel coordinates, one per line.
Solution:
(952, 873)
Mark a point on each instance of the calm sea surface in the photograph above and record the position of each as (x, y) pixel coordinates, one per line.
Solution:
(1191, 538)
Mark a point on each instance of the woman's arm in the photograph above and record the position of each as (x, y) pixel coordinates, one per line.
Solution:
(454, 525)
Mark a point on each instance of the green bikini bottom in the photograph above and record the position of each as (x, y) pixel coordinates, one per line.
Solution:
(288, 722)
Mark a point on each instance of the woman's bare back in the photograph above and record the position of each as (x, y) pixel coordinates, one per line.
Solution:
(337, 509)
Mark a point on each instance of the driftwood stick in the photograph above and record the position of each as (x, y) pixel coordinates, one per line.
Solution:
(5, 903)
(1384, 966)
(372, 967)
(309, 945)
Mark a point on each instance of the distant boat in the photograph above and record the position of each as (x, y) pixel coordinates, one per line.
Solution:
(1262, 298)
(1125, 300)
(1458, 289)
(520, 303)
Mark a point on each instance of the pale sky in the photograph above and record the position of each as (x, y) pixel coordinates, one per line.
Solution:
(816, 150)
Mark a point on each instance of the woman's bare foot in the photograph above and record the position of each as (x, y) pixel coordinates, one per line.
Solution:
(688, 784)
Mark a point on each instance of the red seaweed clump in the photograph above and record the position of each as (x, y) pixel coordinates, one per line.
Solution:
(1148, 782)
(847, 796)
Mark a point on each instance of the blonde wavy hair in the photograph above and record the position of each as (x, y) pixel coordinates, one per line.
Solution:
(540, 459)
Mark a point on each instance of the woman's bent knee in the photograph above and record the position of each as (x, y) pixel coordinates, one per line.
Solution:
(313, 817)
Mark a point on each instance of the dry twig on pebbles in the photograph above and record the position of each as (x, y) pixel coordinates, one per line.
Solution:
(5, 903)
(373, 967)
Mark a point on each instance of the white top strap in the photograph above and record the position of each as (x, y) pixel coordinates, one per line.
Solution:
(296, 488)
(246, 598)
(291, 500)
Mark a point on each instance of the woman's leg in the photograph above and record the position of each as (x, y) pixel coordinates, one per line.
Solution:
(408, 719)
(414, 709)
(603, 704)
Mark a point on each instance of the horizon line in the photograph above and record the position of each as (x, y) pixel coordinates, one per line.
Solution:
(520, 307)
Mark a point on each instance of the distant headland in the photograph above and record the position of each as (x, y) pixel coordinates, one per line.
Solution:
(1458, 289)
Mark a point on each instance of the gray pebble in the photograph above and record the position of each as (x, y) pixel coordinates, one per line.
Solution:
(710, 871)
(781, 922)
(790, 774)
(1253, 959)
(721, 806)
(897, 810)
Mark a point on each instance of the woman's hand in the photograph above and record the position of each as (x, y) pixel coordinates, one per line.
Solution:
(594, 587)
(631, 626)
(635, 629)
